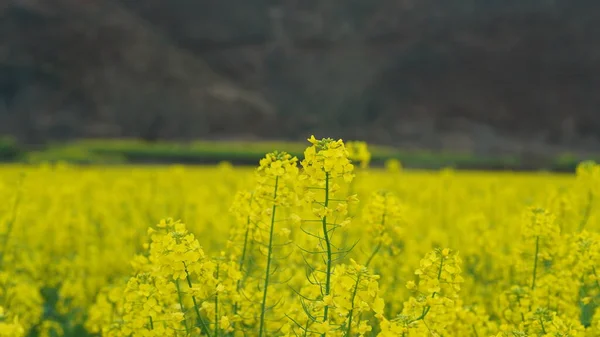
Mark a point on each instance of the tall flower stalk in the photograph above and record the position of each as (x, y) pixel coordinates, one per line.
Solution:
(588, 176)
(4, 237)
(382, 217)
(247, 212)
(541, 228)
(325, 163)
(276, 175)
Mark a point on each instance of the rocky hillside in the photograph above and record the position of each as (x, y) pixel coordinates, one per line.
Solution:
(479, 76)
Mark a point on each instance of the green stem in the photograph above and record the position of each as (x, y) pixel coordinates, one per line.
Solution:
(182, 307)
(535, 261)
(596, 277)
(196, 308)
(268, 269)
(243, 257)
(427, 308)
(328, 247)
(543, 327)
(352, 310)
(376, 250)
(238, 286)
(440, 271)
(474, 330)
(151, 323)
(9, 226)
(217, 305)
(246, 235)
(351, 192)
(587, 212)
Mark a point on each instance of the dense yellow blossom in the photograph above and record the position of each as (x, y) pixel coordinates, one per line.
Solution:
(287, 249)
(359, 152)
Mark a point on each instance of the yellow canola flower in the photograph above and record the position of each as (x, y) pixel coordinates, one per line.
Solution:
(326, 158)
(76, 251)
(359, 152)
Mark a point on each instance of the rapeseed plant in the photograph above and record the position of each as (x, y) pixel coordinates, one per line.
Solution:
(277, 251)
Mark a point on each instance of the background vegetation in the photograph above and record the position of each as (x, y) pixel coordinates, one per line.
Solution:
(486, 78)
(107, 151)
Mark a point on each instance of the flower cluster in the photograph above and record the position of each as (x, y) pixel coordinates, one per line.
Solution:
(433, 304)
(539, 222)
(10, 328)
(277, 164)
(354, 299)
(588, 172)
(21, 303)
(286, 257)
(172, 276)
(326, 159)
(393, 165)
(383, 218)
(175, 251)
(359, 152)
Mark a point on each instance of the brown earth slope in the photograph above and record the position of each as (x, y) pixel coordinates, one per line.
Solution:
(480, 76)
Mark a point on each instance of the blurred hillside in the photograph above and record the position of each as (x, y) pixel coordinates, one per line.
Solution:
(478, 76)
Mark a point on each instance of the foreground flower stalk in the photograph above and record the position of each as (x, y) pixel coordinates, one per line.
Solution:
(275, 252)
(273, 168)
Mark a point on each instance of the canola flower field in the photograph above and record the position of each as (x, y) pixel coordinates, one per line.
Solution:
(315, 246)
